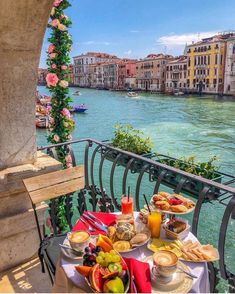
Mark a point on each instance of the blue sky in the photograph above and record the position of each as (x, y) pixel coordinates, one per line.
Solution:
(135, 28)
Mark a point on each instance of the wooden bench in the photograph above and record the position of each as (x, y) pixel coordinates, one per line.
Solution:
(52, 185)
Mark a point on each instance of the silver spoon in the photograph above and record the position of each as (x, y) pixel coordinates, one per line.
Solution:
(187, 273)
(87, 225)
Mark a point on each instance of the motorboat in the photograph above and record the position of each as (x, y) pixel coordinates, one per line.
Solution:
(78, 108)
(132, 94)
(77, 93)
(42, 122)
(179, 93)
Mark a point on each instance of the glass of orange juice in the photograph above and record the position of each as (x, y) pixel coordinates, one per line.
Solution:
(154, 224)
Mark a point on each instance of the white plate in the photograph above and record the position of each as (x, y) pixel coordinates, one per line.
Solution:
(171, 212)
(180, 283)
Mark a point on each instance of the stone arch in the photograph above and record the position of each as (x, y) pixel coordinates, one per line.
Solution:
(22, 28)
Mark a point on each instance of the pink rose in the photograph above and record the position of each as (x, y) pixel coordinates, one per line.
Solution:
(55, 23)
(64, 67)
(56, 138)
(57, 3)
(51, 79)
(53, 66)
(68, 158)
(51, 48)
(53, 55)
(69, 137)
(69, 165)
(66, 112)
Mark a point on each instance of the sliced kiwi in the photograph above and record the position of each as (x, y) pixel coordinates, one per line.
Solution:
(115, 266)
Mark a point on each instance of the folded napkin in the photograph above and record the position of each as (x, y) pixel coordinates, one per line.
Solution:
(140, 278)
(107, 218)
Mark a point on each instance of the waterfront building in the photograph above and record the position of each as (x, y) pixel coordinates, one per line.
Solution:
(206, 64)
(42, 73)
(229, 73)
(176, 74)
(151, 72)
(127, 74)
(81, 66)
(71, 75)
(110, 75)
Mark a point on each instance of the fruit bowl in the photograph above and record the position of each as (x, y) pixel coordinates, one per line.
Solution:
(103, 268)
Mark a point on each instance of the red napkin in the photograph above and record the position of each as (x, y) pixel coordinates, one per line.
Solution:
(107, 218)
(140, 271)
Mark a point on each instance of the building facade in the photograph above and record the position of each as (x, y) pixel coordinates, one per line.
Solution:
(127, 74)
(110, 74)
(81, 66)
(229, 73)
(176, 75)
(71, 75)
(206, 64)
(151, 72)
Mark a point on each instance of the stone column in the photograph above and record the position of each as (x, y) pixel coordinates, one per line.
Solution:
(23, 24)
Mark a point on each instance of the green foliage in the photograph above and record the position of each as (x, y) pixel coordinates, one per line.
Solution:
(61, 125)
(130, 139)
(189, 164)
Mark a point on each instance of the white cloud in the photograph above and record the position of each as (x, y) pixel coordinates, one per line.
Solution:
(134, 31)
(179, 40)
(128, 52)
(96, 43)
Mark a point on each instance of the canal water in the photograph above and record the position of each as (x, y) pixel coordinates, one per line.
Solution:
(179, 126)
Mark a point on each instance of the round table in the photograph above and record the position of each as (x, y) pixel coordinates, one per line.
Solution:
(68, 280)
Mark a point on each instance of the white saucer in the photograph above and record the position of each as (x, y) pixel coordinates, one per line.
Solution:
(180, 282)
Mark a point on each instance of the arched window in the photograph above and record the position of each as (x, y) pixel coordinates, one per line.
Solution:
(205, 59)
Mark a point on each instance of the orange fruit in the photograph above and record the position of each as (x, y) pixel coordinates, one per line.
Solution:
(95, 278)
(83, 270)
(105, 243)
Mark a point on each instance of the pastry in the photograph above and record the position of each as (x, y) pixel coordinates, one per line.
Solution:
(179, 208)
(163, 205)
(177, 226)
(121, 246)
(125, 231)
(124, 218)
(158, 197)
(165, 194)
(138, 239)
(111, 233)
(143, 215)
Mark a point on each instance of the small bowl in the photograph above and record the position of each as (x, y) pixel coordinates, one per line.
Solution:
(78, 245)
(174, 236)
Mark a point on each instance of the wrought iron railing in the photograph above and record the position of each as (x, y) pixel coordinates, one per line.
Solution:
(102, 161)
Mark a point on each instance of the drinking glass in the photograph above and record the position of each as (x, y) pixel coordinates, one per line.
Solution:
(154, 224)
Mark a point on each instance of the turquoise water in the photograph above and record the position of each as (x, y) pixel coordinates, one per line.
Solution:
(179, 126)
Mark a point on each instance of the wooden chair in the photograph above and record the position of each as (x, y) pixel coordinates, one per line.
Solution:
(52, 186)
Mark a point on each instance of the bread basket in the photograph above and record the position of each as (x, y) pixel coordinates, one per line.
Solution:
(174, 236)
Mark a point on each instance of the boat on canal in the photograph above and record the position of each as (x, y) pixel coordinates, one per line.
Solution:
(79, 108)
(132, 94)
(77, 93)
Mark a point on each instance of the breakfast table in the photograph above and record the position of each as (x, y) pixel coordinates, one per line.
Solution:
(67, 280)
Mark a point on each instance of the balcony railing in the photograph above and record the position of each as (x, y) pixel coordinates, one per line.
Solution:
(108, 172)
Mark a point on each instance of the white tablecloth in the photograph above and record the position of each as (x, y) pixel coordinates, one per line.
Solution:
(200, 285)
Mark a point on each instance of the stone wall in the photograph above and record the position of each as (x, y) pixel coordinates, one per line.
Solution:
(22, 29)
(19, 236)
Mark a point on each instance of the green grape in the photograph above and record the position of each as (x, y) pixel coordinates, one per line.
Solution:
(99, 259)
(112, 252)
(101, 253)
(108, 259)
(116, 258)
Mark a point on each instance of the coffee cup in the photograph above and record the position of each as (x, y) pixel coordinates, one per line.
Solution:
(164, 264)
(78, 240)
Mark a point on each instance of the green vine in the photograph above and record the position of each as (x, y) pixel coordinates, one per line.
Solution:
(61, 122)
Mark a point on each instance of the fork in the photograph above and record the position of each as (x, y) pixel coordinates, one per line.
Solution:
(97, 219)
(87, 225)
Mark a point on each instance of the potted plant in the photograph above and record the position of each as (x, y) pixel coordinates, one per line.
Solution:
(208, 170)
(132, 140)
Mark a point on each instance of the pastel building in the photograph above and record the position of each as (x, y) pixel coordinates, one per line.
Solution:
(127, 74)
(110, 71)
(206, 64)
(176, 74)
(151, 72)
(229, 72)
(81, 66)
